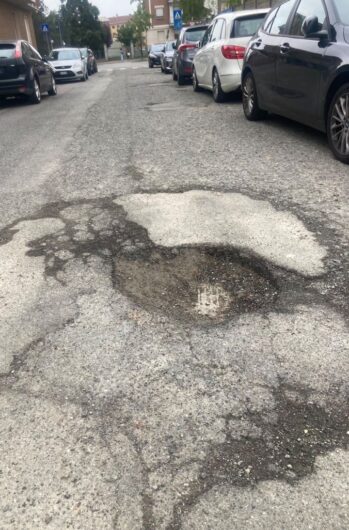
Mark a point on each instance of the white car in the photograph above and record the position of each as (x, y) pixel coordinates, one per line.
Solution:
(218, 62)
(68, 63)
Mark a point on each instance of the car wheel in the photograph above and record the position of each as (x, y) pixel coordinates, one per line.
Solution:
(218, 94)
(180, 80)
(338, 124)
(53, 90)
(174, 75)
(151, 65)
(250, 100)
(196, 86)
(36, 95)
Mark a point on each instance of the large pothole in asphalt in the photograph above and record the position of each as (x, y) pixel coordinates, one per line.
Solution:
(207, 285)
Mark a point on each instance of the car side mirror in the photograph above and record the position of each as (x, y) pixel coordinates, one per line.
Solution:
(311, 29)
(174, 45)
(198, 44)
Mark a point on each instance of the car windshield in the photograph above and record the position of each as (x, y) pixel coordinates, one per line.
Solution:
(343, 11)
(64, 55)
(194, 35)
(169, 46)
(84, 52)
(7, 51)
(246, 27)
(157, 48)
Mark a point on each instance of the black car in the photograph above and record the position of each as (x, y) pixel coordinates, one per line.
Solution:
(297, 65)
(185, 50)
(167, 56)
(154, 56)
(23, 72)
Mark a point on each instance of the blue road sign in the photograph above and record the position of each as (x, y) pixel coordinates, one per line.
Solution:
(45, 28)
(177, 19)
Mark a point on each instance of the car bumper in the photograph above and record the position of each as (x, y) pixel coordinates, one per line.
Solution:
(15, 88)
(185, 68)
(168, 66)
(68, 74)
(155, 61)
(230, 82)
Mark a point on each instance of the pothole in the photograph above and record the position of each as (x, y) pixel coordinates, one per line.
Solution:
(207, 285)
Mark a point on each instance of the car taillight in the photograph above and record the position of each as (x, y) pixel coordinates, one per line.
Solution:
(184, 47)
(18, 51)
(230, 51)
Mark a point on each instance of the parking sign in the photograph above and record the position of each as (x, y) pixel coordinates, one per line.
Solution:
(45, 28)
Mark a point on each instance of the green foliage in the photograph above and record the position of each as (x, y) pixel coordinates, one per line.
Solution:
(193, 10)
(141, 22)
(126, 34)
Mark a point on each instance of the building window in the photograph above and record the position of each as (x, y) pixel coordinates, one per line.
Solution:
(159, 11)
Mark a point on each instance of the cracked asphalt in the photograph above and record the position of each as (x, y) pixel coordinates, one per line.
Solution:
(174, 313)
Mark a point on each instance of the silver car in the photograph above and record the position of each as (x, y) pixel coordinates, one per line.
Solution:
(68, 63)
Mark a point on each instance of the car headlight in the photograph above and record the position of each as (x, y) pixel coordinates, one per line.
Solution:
(77, 65)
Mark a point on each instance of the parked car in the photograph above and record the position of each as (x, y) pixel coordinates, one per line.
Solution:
(90, 59)
(68, 64)
(297, 65)
(23, 72)
(218, 62)
(154, 55)
(166, 57)
(185, 50)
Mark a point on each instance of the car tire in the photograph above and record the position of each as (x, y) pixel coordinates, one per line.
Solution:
(53, 90)
(338, 124)
(151, 64)
(36, 95)
(174, 75)
(180, 80)
(250, 105)
(196, 86)
(218, 94)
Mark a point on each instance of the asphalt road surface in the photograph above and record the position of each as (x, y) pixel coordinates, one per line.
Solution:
(174, 313)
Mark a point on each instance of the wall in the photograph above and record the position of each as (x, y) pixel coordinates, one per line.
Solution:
(16, 23)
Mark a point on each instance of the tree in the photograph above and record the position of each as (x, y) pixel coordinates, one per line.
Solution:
(80, 24)
(126, 34)
(193, 10)
(141, 22)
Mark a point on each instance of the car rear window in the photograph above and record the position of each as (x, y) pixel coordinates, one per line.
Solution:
(64, 55)
(246, 27)
(195, 34)
(157, 47)
(7, 51)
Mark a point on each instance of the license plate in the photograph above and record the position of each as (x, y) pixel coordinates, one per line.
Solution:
(63, 73)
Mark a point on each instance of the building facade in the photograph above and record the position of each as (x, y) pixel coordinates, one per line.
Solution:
(116, 22)
(161, 12)
(16, 20)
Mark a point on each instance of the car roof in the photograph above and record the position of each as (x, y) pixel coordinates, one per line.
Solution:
(232, 15)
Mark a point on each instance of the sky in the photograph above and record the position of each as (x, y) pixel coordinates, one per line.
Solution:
(107, 8)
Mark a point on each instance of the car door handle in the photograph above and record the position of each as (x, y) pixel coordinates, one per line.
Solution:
(285, 48)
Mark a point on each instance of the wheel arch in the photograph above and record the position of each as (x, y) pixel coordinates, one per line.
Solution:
(341, 78)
